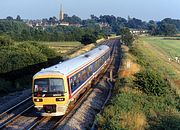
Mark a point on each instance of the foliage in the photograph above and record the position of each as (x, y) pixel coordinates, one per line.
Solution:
(5, 41)
(19, 31)
(18, 18)
(129, 110)
(166, 27)
(103, 25)
(175, 22)
(153, 52)
(72, 20)
(14, 57)
(45, 50)
(152, 27)
(14, 28)
(136, 23)
(152, 105)
(166, 122)
(20, 61)
(88, 38)
(151, 83)
(126, 36)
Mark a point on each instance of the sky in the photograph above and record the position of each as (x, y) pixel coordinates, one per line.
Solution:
(141, 9)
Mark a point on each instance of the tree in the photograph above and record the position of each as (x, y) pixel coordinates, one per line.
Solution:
(76, 19)
(121, 22)
(52, 20)
(110, 19)
(166, 29)
(151, 82)
(18, 18)
(126, 36)
(93, 17)
(172, 21)
(25, 35)
(5, 41)
(136, 23)
(152, 27)
(72, 20)
(9, 18)
(88, 38)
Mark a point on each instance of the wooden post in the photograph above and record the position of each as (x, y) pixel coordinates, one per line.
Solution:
(111, 75)
(128, 64)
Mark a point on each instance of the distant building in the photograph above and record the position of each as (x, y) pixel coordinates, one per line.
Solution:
(64, 24)
(138, 31)
(103, 25)
(61, 14)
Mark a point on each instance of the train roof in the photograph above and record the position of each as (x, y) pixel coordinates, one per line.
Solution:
(69, 66)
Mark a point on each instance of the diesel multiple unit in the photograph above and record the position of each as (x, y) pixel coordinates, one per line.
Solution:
(56, 87)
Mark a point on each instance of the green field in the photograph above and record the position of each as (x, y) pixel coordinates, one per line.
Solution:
(147, 98)
(170, 48)
(162, 54)
(64, 47)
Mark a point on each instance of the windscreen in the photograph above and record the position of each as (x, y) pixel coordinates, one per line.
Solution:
(49, 85)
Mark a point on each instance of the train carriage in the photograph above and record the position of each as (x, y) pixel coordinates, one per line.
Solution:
(54, 88)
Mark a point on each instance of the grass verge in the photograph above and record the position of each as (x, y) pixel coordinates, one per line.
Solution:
(133, 108)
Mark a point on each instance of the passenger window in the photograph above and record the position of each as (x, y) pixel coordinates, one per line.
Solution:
(75, 81)
(84, 74)
(96, 65)
(101, 61)
(90, 70)
(79, 78)
(72, 83)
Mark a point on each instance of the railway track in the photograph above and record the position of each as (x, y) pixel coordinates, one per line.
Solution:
(52, 122)
(14, 112)
(85, 115)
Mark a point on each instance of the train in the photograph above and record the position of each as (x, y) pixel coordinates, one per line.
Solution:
(55, 88)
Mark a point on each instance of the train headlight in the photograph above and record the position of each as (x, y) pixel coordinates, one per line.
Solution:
(38, 100)
(60, 99)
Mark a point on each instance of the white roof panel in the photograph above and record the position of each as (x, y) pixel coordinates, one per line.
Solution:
(73, 64)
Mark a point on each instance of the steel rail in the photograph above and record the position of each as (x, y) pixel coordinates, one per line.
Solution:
(78, 102)
(41, 119)
(85, 94)
(114, 51)
(14, 117)
(73, 108)
(5, 112)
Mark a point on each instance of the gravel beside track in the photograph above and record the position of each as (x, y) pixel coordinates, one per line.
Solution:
(22, 122)
(12, 99)
(83, 118)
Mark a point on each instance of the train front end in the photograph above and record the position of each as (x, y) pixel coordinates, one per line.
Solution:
(50, 94)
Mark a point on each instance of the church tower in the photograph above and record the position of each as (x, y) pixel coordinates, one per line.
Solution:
(61, 14)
